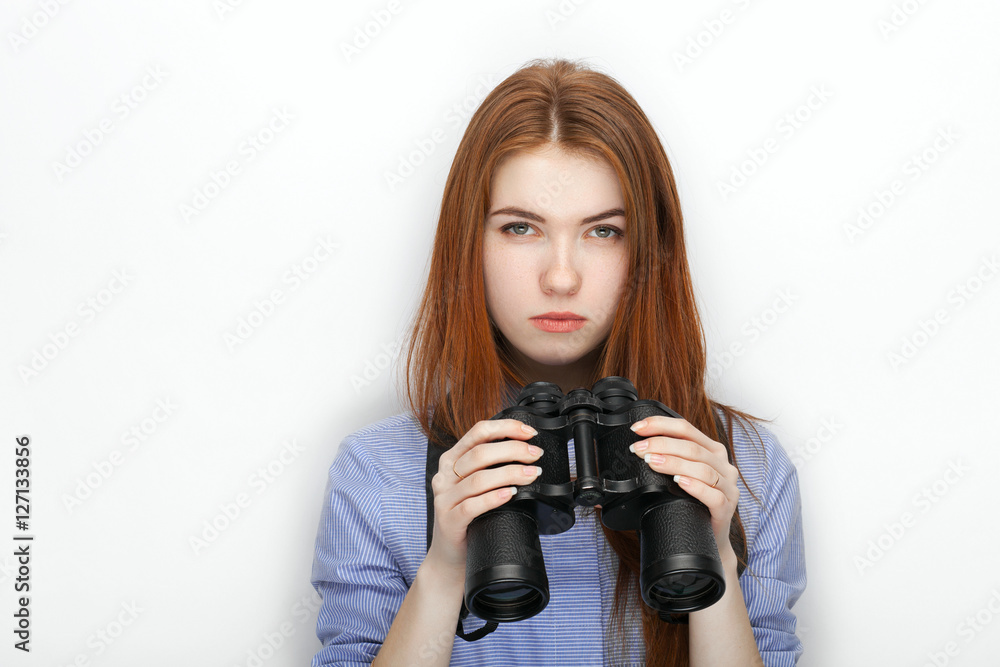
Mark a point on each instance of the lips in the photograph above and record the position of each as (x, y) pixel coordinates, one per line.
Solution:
(563, 322)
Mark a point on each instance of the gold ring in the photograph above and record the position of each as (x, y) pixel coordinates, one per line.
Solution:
(456, 471)
(718, 479)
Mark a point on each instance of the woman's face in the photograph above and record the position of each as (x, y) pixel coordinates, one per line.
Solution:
(555, 260)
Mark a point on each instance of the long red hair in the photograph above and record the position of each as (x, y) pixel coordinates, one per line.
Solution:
(456, 365)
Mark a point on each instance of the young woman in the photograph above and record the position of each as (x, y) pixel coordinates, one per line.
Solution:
(559, 257)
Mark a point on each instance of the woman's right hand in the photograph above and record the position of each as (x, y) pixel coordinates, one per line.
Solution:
(465, 486)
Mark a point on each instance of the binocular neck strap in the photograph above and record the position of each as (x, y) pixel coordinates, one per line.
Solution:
(438, 443)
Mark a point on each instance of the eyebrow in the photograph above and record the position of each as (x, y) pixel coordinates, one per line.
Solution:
(521, 213)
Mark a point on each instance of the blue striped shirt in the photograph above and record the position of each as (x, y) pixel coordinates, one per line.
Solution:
(372, 538)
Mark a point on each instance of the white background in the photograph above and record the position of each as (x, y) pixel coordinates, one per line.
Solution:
(901, 548)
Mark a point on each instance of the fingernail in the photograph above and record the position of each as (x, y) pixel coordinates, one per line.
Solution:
(638, 425)
(683, 481)
(532, 471)
(640, 446)
(527, 429)
(508, 492)
(653, 458)
(535, 451)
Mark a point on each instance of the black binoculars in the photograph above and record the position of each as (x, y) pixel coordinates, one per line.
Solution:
(680, 568)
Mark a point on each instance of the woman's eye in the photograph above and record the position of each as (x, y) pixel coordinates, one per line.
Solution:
(519, 228)
(606, 232)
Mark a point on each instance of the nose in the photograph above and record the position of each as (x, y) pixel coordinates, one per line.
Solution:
(559, 274)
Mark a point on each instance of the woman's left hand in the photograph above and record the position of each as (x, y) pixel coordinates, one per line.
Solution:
(699, 465)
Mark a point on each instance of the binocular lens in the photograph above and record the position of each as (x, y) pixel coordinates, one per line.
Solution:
(506, 593)
(680, 571)
(509, 601)
(505, 571)
(681, 587)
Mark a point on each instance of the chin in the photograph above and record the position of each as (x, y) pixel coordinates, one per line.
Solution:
(557, 359)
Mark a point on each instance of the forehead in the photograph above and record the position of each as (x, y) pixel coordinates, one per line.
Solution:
(556, 180)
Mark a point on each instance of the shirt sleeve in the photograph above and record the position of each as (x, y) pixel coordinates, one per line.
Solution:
(776, 571)
(353, 570)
